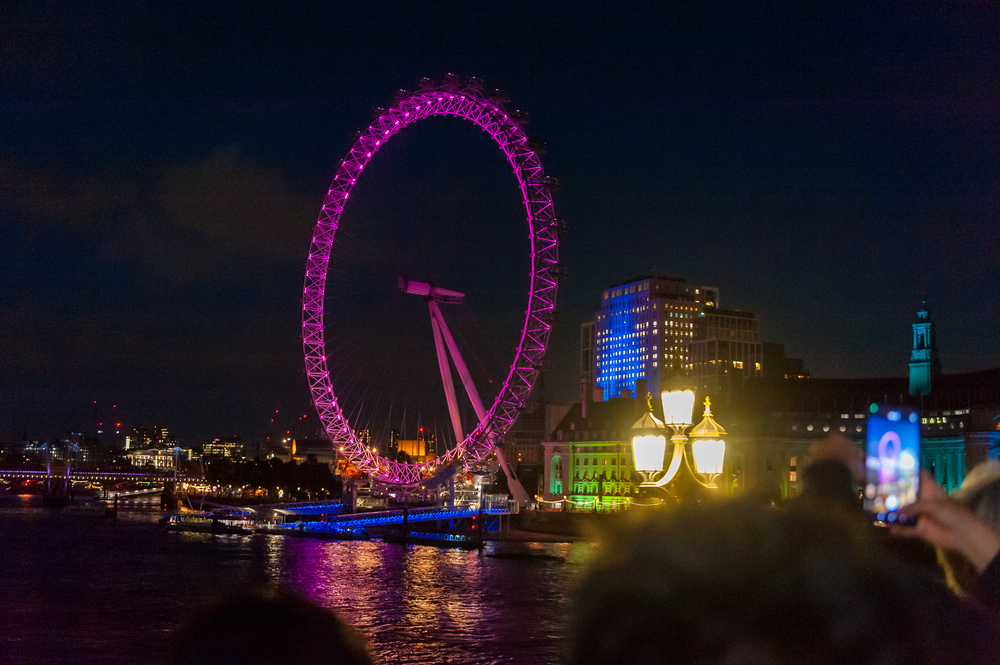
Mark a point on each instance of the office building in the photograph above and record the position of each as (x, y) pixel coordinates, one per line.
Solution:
(726, 348)
(643, 328)
(142, 437)
(229, 448)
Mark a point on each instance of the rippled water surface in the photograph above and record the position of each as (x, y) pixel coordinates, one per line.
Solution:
(77, 589)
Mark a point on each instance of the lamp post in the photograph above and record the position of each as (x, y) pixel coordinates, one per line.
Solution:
(649, 437)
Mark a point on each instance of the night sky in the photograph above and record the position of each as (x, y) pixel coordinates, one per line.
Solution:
(162, 167)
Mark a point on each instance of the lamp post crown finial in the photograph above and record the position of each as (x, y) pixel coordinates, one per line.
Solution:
(708, 407)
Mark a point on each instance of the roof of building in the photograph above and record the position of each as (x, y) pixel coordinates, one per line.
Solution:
(613, 417)
(767, 405)
(729, 312)
(642, 278)
(949, 391)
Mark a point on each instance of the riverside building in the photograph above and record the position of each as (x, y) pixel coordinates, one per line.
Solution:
(642, 329)
(725, 350)
(772, 418)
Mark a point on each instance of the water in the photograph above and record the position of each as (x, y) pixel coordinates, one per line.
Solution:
(77, 589)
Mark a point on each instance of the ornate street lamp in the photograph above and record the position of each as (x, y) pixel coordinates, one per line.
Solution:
(709, 446)
(649, 437)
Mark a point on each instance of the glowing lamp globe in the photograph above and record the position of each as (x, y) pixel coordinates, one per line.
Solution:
(678, 398)
(648, 444)
(709, 455)
(648, 451)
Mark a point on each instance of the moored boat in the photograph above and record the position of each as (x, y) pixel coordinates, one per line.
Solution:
(219, 522)
(88, 509)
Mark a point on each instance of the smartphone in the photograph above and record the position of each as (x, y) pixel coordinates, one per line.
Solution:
(892, 461)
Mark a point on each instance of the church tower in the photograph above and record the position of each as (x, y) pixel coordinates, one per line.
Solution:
(924, 363)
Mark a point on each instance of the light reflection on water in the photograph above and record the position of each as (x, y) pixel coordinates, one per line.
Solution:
(83, 590)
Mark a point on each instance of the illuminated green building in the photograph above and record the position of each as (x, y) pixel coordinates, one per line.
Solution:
(588, 457)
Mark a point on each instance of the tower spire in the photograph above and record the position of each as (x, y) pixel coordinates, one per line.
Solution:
(924, 363)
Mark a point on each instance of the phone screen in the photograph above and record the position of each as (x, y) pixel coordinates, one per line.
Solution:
(892, 461)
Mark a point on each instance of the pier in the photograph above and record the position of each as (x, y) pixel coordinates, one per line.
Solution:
(447, 526)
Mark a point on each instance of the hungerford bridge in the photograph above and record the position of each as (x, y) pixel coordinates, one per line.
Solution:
(156, 481)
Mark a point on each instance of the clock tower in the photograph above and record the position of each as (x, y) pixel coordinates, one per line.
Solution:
(924, 363)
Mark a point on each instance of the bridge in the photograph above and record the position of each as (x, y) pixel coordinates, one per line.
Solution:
(106, 476)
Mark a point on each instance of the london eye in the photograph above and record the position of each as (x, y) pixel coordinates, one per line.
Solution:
(469, 100)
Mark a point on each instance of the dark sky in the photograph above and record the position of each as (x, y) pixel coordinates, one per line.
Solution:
(162, 167)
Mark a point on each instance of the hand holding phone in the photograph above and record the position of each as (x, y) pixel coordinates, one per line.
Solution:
(945, 523)
(892, 462)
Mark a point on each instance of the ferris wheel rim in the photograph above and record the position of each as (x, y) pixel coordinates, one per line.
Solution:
(464, 99)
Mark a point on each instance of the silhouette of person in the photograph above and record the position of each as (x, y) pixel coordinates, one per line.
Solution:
(263, 626)
(738, 583)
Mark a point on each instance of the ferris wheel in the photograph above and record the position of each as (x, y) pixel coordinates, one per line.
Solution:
(470, 100)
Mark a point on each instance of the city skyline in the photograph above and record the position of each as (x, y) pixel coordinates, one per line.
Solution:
(827, 169)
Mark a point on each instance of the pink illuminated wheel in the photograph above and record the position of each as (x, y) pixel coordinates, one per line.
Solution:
(464, 99)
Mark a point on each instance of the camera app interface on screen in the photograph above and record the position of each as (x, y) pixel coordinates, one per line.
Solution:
(892, 461)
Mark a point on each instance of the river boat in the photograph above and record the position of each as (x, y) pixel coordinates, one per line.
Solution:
(89, 509)
(222, 522)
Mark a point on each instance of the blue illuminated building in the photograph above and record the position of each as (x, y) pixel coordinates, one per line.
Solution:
(642, 328)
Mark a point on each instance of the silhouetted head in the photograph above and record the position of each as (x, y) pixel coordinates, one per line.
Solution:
(263, 626)
(980, 493)
(739, 584)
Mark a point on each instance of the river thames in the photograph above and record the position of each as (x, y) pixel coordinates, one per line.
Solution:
(89, 590)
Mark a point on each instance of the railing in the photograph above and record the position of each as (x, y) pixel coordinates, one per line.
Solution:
(302, 504)
(84, 475)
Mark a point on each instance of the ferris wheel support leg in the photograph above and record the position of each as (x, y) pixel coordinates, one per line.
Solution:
(449, 386)
(463, 371)
(516, 489)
